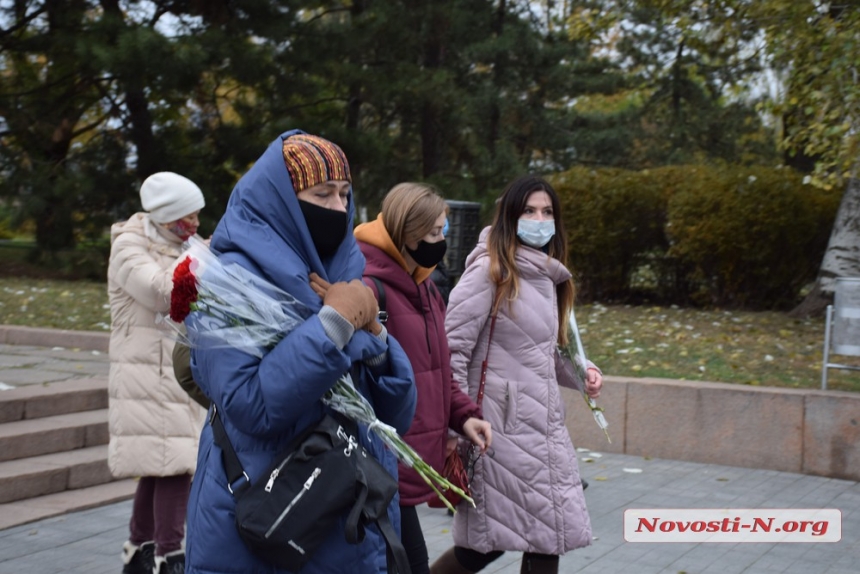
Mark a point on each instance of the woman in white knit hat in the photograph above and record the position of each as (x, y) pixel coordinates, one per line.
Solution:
(154, 425)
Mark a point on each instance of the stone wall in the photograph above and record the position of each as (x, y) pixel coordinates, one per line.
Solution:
(806, 431)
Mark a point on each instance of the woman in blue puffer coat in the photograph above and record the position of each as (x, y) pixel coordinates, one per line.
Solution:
(289, 216)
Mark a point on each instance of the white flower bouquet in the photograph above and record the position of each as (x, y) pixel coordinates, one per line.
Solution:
(571, 368)
(238, 309)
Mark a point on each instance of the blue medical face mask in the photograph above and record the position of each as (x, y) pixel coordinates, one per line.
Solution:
(535, 233)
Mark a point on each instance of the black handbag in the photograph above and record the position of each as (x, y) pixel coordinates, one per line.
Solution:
(323, 475)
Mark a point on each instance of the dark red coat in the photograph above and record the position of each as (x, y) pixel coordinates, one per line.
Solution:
(416, 318)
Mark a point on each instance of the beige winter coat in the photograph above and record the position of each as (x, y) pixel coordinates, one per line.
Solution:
(154, 425)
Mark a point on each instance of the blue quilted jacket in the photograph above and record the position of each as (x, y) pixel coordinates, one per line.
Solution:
(264, 402)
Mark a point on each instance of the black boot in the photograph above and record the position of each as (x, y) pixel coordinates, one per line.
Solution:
(138, 559)
(448, 564)
(539, 564)
(173, 563)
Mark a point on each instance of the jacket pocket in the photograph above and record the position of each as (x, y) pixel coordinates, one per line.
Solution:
(510, 406)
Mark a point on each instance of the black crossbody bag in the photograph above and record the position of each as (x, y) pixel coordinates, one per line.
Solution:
(324, 474)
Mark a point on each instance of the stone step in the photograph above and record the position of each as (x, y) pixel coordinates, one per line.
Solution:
(53, 451)
(42, 337)
(31, 509)
(37, 401)
(53, 434)
(49, 473)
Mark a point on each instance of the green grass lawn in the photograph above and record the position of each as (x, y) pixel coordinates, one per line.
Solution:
(79, 305)
(766, 349)
(759, 349)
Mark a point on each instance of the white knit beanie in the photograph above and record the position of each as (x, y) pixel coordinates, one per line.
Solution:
(168, 197)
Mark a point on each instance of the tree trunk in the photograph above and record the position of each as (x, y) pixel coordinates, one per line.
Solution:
(499, 71)
(54, 224)
(842, 258)
(431, 113)
(150, 155)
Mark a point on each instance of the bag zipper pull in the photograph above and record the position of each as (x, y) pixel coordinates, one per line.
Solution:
(312, 478)
(296, 498)
(276, 472)
(271, 481)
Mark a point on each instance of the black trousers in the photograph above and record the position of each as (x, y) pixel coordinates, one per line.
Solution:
(475, 561)
(413, 540)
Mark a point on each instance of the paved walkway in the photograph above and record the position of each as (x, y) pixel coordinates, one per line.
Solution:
(22, 365)
(89, 542)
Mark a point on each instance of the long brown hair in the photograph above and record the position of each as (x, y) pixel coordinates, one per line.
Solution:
(502, 245)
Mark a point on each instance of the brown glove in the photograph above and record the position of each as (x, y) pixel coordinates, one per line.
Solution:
(321, 287)
(354, 301)
(374, 326)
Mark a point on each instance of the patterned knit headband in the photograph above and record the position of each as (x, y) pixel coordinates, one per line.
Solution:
(312, 160)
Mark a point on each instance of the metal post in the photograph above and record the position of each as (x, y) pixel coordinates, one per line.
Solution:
(826, 359)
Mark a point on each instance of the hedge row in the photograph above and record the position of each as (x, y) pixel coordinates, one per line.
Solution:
(750, 237)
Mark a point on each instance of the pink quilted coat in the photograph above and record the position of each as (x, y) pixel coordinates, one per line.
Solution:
(528, 494)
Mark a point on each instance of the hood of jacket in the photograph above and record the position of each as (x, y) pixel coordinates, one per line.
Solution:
(374, 233)
(532, 263)
(140, 224)
(264, 230)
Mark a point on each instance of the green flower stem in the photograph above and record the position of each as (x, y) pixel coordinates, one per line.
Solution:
(345, 398)
(594, 410)
(576, 354)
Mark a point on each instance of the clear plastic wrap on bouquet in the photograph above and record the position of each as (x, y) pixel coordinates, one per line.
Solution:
(237, 308)
(571, 368)
(226, 306)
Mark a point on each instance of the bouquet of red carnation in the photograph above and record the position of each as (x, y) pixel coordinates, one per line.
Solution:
(183, 298)
(235, 308)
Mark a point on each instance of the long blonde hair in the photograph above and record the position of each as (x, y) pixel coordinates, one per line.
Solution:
(502, 245)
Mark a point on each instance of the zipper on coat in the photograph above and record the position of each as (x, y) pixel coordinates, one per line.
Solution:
(424, 316)
(307, 486)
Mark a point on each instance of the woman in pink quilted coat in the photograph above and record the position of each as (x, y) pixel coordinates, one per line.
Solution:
(527, 488)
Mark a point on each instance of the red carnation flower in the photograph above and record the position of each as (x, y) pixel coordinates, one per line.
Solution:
(184, 293)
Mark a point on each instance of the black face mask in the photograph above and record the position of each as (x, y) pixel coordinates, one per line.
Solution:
(327, 227)
(428, 254)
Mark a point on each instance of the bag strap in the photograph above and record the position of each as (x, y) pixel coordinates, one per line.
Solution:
(232, 465)
(480, 398)
(380, 298)
(395, 553)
